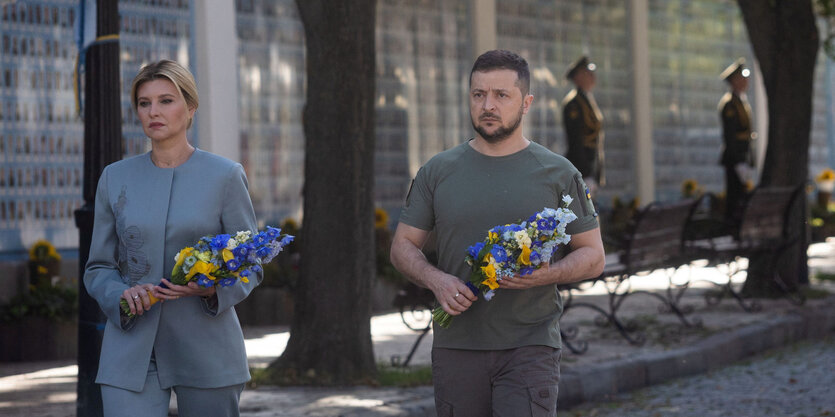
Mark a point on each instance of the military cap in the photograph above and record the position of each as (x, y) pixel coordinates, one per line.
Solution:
(580, 63)
(738, 67)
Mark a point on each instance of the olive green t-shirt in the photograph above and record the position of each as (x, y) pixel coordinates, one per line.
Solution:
(460, 194)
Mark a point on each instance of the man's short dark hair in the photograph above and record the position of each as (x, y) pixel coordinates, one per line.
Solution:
(502, 59)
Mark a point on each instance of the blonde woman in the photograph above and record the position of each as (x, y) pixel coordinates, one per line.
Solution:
(147, 208)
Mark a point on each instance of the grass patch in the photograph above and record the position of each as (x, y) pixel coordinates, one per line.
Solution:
(260, 376)
(825, 276)
(411, 376)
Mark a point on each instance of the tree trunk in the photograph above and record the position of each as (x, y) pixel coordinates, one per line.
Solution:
(784, 37)
(330, 338)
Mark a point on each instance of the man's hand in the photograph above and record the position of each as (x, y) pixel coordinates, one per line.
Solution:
(539, 277)
(454, 296)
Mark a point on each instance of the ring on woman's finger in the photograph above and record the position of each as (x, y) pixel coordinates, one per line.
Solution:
(456, 295)
(135, 297)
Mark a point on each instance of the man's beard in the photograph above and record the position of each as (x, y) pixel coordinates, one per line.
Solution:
(502, 133)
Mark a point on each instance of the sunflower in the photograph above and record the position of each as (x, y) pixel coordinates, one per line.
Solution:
(42, 250)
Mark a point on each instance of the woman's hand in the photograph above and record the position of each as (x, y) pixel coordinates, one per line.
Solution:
(138, 298)
(174, 291)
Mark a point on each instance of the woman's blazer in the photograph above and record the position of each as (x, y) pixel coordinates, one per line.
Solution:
(143, 216)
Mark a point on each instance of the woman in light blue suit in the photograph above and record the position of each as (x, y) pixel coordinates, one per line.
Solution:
(147, 208)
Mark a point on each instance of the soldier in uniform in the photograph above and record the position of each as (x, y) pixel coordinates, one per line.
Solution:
(735, 114)
(583, 124)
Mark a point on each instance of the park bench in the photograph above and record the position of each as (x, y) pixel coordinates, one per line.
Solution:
(762, 227)
(653, 242)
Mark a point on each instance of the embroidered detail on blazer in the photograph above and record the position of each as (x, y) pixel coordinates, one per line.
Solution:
(133, 262)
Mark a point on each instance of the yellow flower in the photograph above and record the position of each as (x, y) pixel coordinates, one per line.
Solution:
(227, 255)
(525, 257)
(490, 272)
(690, 188)
(491, 282)
(492, 237)
(42, 250)
(826, 174)
(381, 218)
(201, 267)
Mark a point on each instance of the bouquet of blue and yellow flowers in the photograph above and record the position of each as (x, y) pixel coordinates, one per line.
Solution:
(222, 260)
(513, 249)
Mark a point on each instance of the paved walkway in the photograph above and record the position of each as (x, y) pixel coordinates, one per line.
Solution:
(609, 368)
(795, 381)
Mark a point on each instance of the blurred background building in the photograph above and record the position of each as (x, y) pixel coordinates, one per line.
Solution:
(249, 59)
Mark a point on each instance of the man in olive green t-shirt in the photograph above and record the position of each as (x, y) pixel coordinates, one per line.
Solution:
(500, 357)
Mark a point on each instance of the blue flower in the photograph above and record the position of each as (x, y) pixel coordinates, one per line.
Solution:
(535, 259)
(204, 281)
(225, 282)
(475, 249)
(472, 288)
(286, 240)
(499, 253)
(246, 273)
(526, 270)
(203, 245)
(233, 265)
(260, 239)
(263, 251)
(273, 232)
(241, 250)
(514, 227)
(219, 242)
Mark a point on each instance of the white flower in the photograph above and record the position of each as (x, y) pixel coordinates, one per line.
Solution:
(522, 238)
(243, 236)
(231, 244)
(567, 199)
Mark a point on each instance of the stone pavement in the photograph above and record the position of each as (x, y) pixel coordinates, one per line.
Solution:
(794, 381)
(610, 366)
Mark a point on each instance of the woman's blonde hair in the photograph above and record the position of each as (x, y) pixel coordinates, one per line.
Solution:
(171, 71)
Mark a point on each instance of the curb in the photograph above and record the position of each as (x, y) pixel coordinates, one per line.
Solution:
(605, 380)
